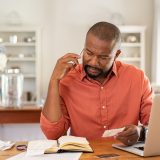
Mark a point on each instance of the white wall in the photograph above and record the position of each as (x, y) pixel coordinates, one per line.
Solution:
(65, 23)
(156, 46)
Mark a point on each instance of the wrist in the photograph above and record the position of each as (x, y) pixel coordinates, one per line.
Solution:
(142, 133)
(54, 81)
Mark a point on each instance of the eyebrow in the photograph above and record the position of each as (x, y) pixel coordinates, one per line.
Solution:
(102, 55)
(88, 50)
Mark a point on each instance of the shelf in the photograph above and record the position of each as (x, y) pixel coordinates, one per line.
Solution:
(29, 75)
(132, 28)
(21, 59)
(18, 44)
(131, 59)
(26, 103)
(125, 44)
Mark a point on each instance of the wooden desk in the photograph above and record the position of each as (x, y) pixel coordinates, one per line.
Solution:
(99, 147)
(26, 114)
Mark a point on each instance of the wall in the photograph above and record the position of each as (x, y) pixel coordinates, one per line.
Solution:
(64, 24)
(156, 46)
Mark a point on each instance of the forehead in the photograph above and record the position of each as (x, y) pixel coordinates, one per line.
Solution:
(97, 45)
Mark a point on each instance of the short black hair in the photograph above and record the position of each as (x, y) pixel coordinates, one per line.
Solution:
(106, 31)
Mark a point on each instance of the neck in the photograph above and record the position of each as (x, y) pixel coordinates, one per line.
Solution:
(101, 79)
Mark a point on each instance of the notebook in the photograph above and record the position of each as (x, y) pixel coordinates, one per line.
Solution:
(151, 146)
(64, 143)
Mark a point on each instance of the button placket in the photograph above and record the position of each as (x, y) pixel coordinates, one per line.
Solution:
(103, 108)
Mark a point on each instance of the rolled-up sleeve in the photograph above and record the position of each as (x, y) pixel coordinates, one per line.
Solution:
(53, 130)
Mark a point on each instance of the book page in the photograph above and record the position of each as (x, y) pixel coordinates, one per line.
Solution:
(73, 143)
(39, 147)
(72, 139)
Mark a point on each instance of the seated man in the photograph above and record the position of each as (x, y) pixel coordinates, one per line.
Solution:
(99, 94)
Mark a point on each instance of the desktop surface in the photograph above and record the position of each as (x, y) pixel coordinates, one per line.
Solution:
(102, 150)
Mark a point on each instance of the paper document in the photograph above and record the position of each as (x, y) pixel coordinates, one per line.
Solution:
(38, 147)
(55, 156)
(112, 132)
(6, 145)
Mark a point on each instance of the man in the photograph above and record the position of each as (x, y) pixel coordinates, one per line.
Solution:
(98, 95)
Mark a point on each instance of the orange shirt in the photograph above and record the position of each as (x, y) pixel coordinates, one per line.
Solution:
(90, 108)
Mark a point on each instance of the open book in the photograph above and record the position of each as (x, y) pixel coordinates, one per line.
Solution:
(64, 143)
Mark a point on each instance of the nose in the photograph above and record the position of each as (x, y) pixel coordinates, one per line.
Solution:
(94, 61)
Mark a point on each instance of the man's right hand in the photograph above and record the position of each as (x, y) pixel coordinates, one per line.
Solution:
(64, 65)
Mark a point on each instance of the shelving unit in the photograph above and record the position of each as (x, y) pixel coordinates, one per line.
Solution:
(133, 45)
(22, 45)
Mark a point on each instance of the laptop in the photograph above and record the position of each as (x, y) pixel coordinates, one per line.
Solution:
(151, 146)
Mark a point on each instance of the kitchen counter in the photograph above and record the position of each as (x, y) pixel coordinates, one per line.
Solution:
(24, 114)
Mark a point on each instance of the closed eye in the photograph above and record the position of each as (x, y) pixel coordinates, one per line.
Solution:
(104, 57)
(89, 53)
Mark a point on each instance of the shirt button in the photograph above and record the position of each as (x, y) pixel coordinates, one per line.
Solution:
(104, 126)
(101, 88)
(103, 107)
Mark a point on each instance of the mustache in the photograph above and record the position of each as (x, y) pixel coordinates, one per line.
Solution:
(88, 66)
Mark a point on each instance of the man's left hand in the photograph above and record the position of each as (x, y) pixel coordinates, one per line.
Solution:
(130, 135)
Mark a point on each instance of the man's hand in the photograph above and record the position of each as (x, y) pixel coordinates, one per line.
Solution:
(64, 65)
(130, 135)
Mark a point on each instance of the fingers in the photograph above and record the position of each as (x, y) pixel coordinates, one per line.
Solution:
(73, 55)
(130, 140)
(128, 131)
(71, 60)
(129, 135)
(64, 65)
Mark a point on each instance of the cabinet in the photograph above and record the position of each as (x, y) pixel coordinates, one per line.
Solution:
(22, 48)
(133, 45)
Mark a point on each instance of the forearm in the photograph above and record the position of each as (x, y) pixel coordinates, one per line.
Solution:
(52, 109)
(53, 130)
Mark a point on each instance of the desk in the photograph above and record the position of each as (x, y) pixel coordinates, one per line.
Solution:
(26, 114)
(99, 147)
